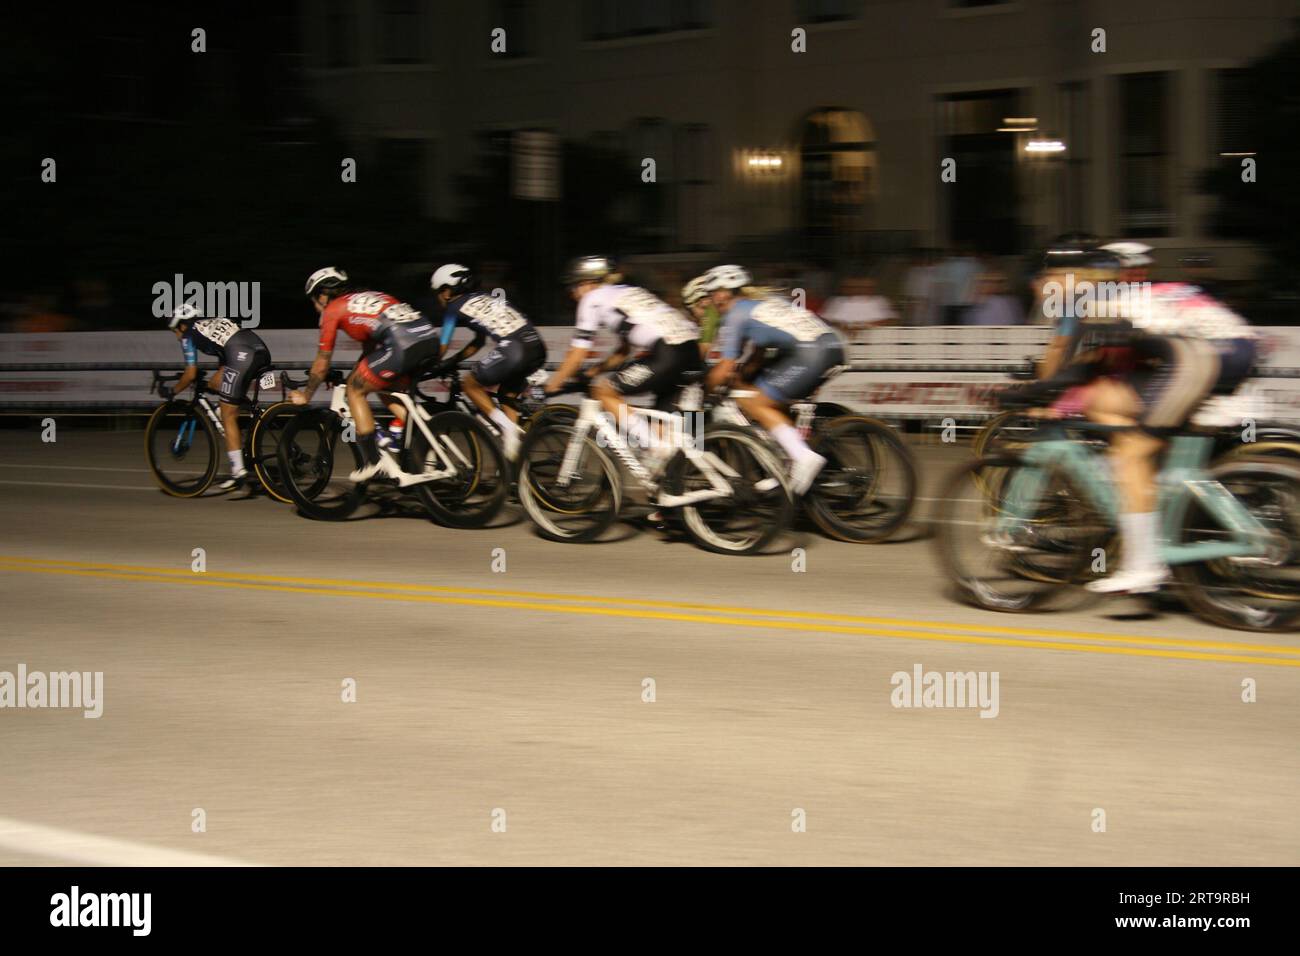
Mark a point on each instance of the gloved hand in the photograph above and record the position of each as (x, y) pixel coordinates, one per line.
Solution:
(165, 391)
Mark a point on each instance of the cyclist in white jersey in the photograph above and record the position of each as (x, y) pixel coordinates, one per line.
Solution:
(658, 348)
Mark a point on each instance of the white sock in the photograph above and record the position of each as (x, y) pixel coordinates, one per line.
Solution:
(236, 461)
(502, 421)
(792, 442)
(1138, 533)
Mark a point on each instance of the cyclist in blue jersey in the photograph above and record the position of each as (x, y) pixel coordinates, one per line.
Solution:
(242, 356)
(517, 350)
(804, 352)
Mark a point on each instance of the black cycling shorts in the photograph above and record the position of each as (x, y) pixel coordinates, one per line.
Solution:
(661, 372)
(511, 361)
(799, 372)
(1183, 373)
(398, 352)
(246, 357)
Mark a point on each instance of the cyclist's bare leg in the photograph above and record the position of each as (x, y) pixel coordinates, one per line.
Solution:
(1133, 456)
(1132, 453)
(479, 395)
(230, 420)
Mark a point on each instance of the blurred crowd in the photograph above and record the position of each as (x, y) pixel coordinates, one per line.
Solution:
(926, 287)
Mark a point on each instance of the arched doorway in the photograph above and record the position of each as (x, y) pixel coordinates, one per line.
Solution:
(838, 183)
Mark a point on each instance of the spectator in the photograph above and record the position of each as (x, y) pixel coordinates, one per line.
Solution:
(993, 306)
(957, 285)
(920, 290)
(858, 306)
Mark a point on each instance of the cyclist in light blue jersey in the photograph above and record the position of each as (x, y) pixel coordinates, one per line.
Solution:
(804, 352)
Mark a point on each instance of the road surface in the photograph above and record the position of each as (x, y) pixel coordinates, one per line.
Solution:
(502, 716)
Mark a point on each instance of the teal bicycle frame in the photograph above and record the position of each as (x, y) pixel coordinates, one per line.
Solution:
(1182, 478)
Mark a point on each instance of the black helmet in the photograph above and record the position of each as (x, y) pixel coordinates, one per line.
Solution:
(588, 269)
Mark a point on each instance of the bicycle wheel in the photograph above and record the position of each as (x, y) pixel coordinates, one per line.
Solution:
(580, 508)
(182, 446)
(476, 489)
(264, 443)
(314, 466)
(1004, 433)
(867, 489)
(553, 415)
(759, 507)
(1011, 536)
(1253, 594)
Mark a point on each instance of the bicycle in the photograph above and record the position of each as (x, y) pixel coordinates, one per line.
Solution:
(1044, 518)
(729, 487)
(453, 464)
(185, 438)
(867, 488)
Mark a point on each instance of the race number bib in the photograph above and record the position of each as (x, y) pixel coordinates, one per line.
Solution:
(216, 331)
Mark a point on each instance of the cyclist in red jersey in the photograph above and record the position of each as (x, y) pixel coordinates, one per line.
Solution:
(396, 339)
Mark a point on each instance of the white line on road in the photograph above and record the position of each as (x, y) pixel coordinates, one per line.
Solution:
(32, 839)
(72, 484)
(134, 471)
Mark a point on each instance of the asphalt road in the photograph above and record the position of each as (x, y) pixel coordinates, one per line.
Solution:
(500, 716)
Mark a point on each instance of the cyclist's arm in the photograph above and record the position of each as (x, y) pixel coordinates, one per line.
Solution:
(579, 348)
(614, 359)
(731, 340)
(319, 369)
(720, 374)
(191, 365)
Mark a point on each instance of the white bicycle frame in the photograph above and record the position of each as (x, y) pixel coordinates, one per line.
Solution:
(444, 450)
(592, 417)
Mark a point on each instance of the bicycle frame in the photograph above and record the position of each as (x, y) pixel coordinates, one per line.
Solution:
(1182, 479)
(592, 417)
(416, 413)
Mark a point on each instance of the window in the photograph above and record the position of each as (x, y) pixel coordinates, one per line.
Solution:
(827, 11)
(1075, 118)
(1231, 109)
(401, 32)
(518, 18)
(695, 159)
(340, 34)
(1144, 173)
(614, 19)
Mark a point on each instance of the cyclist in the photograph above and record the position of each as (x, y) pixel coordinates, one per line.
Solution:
(242, 355)
(395, 341)
(806, 350)
(696, 299)
(658, 351)
(517, 349)
(1150, 364)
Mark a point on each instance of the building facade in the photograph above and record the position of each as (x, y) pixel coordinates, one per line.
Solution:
(833, 120)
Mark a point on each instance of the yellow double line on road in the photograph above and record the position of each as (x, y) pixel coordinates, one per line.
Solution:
(1279, 655)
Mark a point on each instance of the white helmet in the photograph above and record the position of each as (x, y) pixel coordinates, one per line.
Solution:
(694, 290)
(726, 277)
(185, 312)
(322, 280)
(452, 276)
(1131, 254)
